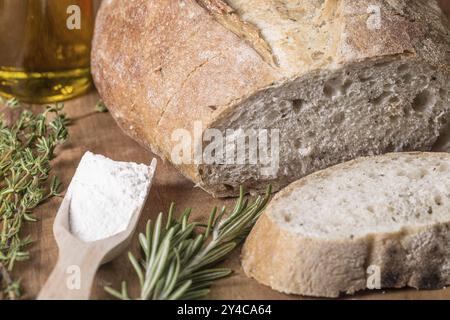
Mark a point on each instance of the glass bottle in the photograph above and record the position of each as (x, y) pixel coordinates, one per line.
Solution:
(45, 49)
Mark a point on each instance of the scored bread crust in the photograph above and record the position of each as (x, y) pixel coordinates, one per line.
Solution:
(417, 257)
(162, 65)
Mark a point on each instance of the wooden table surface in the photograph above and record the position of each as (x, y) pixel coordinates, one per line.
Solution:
(99, 133)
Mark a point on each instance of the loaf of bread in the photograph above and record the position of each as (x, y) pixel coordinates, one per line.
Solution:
(338, 78)
(376, 222)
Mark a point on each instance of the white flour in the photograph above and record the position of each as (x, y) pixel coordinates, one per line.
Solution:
(105, 194)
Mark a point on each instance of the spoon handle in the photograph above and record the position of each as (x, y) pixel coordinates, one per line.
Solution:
(73, 275)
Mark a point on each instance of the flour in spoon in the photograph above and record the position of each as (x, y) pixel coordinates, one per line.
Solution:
(104, 196)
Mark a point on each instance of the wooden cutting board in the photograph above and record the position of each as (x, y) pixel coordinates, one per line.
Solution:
(99, 134)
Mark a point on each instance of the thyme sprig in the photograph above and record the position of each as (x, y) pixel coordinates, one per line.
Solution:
(26, 148)
(100, 107)
(178, 262)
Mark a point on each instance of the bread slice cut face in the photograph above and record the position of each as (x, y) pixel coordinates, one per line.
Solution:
(375, 222)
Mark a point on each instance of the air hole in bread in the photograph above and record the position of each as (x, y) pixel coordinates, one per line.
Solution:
(371, 175)
(297, 144)
(442, 167)
(423, 173)
(329, 91)
(316, 55)
(407, 78)
(347, 84)
(443, 120)
(401, 173)
(423, 101)
(408, 160)
(389, 131)
(335, 87)
(382, 64)
(403, 68)
(438, 200)
(381, 98)
(228, 187)
(423, 79)
(388, 87)
(364, 78)
(370, 209)
(407, 111)
(285, 105)
(273, 115)
(418, 174)
(287, 218)
(339, 117)
(394, 100)
(204, 170)
(297, 104)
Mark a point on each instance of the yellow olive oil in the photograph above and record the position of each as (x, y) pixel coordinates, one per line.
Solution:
(45, 49)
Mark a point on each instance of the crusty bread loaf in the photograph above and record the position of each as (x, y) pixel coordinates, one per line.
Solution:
(337, 81)
(327, 233)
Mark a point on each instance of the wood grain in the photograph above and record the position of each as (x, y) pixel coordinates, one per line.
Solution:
(99, 134)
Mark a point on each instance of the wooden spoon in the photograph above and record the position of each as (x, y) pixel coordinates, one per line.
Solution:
(78, 261)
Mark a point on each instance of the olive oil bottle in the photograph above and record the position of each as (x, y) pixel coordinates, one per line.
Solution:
(45, 49)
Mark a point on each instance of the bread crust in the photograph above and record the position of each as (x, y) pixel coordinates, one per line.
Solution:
(162, 65)
(412, 257)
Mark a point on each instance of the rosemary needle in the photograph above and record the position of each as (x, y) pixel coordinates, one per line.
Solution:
(178, 263)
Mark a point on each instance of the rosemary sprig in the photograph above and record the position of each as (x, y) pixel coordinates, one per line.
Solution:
(26, 149)
(178, 263)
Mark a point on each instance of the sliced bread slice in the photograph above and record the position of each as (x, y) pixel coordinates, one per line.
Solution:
(376, 222)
